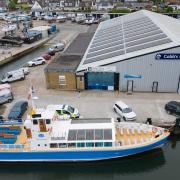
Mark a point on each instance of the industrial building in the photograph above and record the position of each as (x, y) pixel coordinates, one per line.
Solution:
(139, 51)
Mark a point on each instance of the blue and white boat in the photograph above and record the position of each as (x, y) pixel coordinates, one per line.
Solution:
(47, 137)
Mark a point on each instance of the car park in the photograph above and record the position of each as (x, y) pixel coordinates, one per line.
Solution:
(18, 110)
(173, 107)
(65, 109)
(124, 111)
(36, 62)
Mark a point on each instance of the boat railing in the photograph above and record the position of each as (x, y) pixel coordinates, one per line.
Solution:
(11, 122)
(11, 146)
(58, 138)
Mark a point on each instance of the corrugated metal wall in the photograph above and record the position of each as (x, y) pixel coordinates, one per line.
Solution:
(165, 72)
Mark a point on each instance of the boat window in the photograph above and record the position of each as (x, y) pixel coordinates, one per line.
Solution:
(98, 134)
(90, 144)
(107, 134)
(45, 144)
(62, 145)
(107, 144)
(48, 121)
(38, 144)
(98, 144)
(72, 135)
(72, 145)
(35, 121)
(53, 145)
(90, 134)
(81, 135)
(80, 144)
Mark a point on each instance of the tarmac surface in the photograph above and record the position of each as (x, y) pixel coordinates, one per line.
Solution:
(91, 104)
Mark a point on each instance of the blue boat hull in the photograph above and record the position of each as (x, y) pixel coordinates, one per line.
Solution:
(77, 155)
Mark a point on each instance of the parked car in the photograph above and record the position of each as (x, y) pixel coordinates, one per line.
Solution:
(51, 52)
(13, 76)
(89, 19)
(61, 18)
(18, 110)
(173, 107)
(6, 95)
(124, 111)
(46, 57)
(36, 62)
(25, 70)
(58, 47)
(65, 109)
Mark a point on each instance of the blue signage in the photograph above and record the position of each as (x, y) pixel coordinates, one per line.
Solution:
(41, 135)
(167, 56)
(132, 76)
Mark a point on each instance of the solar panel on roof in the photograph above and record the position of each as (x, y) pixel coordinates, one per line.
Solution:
(148, 45)
(111, 32)
(135, 22)
(139, 28)
(142, 31)
(106, 41)
(108, 37)
(104, 56)
(111, 44)
(146, 39)
(108, 50)
(106, 29)
(139, 36)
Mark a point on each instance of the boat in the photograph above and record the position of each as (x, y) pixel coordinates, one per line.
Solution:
(47, 137)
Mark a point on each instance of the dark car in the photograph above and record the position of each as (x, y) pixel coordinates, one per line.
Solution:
(18, 110)
(51, 53)
(173, 107)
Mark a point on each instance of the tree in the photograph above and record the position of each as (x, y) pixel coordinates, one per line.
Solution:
(12, 5)
(169, 9)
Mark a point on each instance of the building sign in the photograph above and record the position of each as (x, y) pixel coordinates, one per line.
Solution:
(132, 76)
(102, 69)
(167, 56)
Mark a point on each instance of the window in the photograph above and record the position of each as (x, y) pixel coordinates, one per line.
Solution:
(81, 135)
(38, 144)
(72, 135)
(107, 134)
(98, 134)
(90, 134)
(80, 78)
(118, 107)
(80, 144)
(35, 122)
(45, 145)
(72, 145)
(53, 145)
(98, 144)
(90, 144)
(48, 121)
(62, 80)
(65, 112)
(107, 144)
(62, 145)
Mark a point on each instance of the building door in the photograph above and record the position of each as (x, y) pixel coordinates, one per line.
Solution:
(130, 86)
(42, 125)
(155, 86)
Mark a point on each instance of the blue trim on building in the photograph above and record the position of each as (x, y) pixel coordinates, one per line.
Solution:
(78, 155)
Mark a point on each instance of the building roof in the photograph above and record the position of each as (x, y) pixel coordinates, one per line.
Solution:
(129, 36)
(64, 63)
(70, 59)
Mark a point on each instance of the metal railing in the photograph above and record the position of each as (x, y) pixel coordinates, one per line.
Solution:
(11, 146)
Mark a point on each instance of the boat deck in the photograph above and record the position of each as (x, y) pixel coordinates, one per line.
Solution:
(126, 136)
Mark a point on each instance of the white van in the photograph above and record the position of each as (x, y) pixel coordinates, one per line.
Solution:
(5, 93)
(58, 47)
(13, 76)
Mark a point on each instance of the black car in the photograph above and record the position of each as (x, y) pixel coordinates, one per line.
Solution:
(173, 107)
(18, 110)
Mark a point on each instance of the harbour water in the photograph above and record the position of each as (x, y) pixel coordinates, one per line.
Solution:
(157, 164)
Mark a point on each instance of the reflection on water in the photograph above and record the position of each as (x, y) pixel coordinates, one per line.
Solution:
(95, 170)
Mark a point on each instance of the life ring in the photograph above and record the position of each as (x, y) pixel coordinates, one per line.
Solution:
(154, 130)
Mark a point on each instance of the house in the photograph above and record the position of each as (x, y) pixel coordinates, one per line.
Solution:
(105, 5)
(3, 5)
(143, 5)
